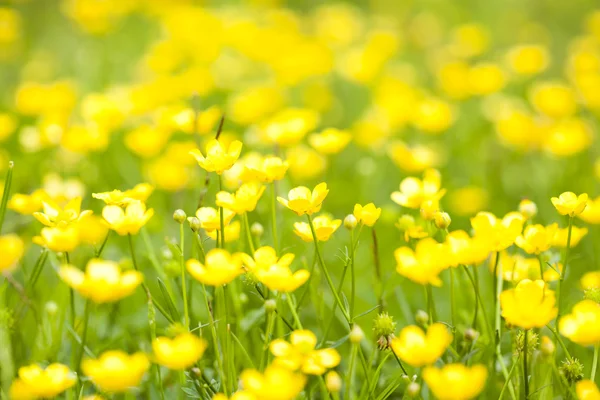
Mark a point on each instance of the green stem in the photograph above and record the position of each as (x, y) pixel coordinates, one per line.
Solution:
(222, 329)
(186, 315)
(288, 297)
(6, 193)
(98, 252)
(564, 270)
(560, 342)
(595, 363)
(200, 245)
(525, 374)
(248, 233)
(452, 300)
(352, 275)
(269, 331)
(86, 318)
(508, 379)
(326, 272)
(214, 335)
(541, 262)
(331, 320)
(350, 375)
(221, 217)
(431, 305)
(399, 362)
(274, 215)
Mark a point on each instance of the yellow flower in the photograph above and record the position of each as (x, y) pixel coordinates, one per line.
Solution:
(591, 213)
(300, 354)
(527, 208)
(553, 99)
(568, 137)
(59, 239)
(433, 116)
(528, 59)
(116, 371)
(210, 218)
(232, 232)
(368, 214)
(330, 141)
(568, 203)
(407, 224)
(276, 383)
(529, 305)
(279, 276)
(140, 192)
(561, 236)
(302, 201)
(468, 200)
(456, 381)
(413, 191)
(218, 158)
(92, 230)
(240, 395)
(415, 158)
(536, 238)
(469, 40)
(324, 228)
(264, 257)
(128, 221)
(465, 250)
(590, 280)
(28, 204)
(244, 199)
(54, 215)
(102, 282)
(35, 381)
(219, 268)
(424, 264)
(267, 169)
(289, 126)
(587, 390)
(299, 157)
(582, 326)
(12, 249)
(178, 353)
(486, 78)
(499, 233)
(417, 348)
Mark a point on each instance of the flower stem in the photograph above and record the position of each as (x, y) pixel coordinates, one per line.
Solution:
(541, 262)
(564, 269)
(352, 275)
(452, 300)
(6, 193)
(525, 374)
(222, 329)
(595, 363)
(221, 218)
(248, 233)
(86, 318)
(274, 215)
(430, 305)
(288, 297)
(186, 314)
(350, 374)
(326, 272)
(215, 338)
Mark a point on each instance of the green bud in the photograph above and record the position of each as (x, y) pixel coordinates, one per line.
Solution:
(350, 222)
(195, 224)
(422, 318)
(384, 328)
(179, 216)
(572, 370)
(357, 334)
(257, 229)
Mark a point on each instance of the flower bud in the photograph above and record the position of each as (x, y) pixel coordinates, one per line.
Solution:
(422, 317)
(413, 389)
(356, 335)
(471, 334)
(51, 308)
(528, 208)
(572, 370)
(333, 382)
(547, 346)
(350, 222)
(179, 216)
(405, 222)
(384, 328)
(270, 305)
(195, 223)
(442, 220)
(429, 208)
(257, 229)
(532, 342)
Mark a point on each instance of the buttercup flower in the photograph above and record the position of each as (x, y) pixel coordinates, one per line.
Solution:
(418, 348)
(12, 249)
(244, 199)
(527, 208)
(456, 381)
(324, 228)
(128, 221)
(92, 229)
(529, 305)
(280, 277)
(587, 390)
(267, 169)
(180, 352)
(330, 141)
(28, 204)
(591, 280)
(210, 218)
(368, 214)
(59, 239)
(568, 203)
(582, 326)
(407, 224)
(232, 232)
(302, 201)
(499, 233)
(591, 213)
(536, 238)
(219, 268)
(424, 264)
(300, 354)
(413, 191)
(102, 282)
(465, 250)
(116, 371)
(264, 257)
(54, 215)
(218, 158)
(561, 236)
(140, 192)
(276, 383)
(35, 382)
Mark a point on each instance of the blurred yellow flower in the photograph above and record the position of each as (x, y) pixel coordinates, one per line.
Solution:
(219, 268)
(218, 158)
(568, 136)
(553, 99)
(264, 257)
(456, 381)
(12, 249)
(415, 158)
(300, 354)
(529, 305)
(267, 169)
(275, 383)
(324, 228)
(255, 103)
(469, 40)
(465, 250)
(330, 141)
(56, 216)
(289, 126)
(299, 157)
(232, 232)
(568, 203)
(102, 282)
(587, 390)
(127, 221)
(85, 138)
(8, 123)
(243, 200)
(140, 192)
(407, 224)
(591, 213)
(115, 371)
(528, 59)
(10, 26)
(28, 204)
(582, 325)
(59, 239)
(424, 264)
(528, 208)
(590, 280)
(417, 348)
(146, 141)
(413, 191)
(302, 201)
(499, 233)
(453, 79)
(92, 230)
(433, 116)
(537, 238)
(561, 235)
(368, 214)
(486, 78)
(468, 200)
(210, 218)
(179, 353)
(36, 382)
(275, 273)
(515, 267)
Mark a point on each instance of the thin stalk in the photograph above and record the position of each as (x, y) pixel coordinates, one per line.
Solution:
(215, 338)
(559, 288)
(525, 374)
(452, 300)
(350, 374)
(377, 264)
(268, 332)
(507, 381)
(274, 215)
(6, 193)
(326, 272)
(595, 363)
(222, 329)
(399, 362)
(479, 304)
(248, 233)
(200, 245)
(431, 305)
(541, 262)
(152, 323)
(288, 297)
(331, 321)
(99, 251)
(560, 342)
(352, 275)
(221, 217)
(86, 318)
(186, 313)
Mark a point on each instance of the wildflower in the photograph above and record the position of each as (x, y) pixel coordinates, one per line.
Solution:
(591, 213)
(54, 215)
(232, 232)
(407, 224)
(302, 201)
(178, 353)
(433, 116)
(413, 191)
(140, 192)
(568, 203)
(368, 214)
(536, 238)
(92, 229)
(499, 233)
(63, 240)
(415, 158)
(532, 342)
(529, 305)
(280, 277)
(424, 264)
(12, 249)
(275, 383)
(561, 236)
(264, 257)
(590, 280)
(455, 381)
(210, 218)
(299, 157)
(219, 268)
(572, 370)
(300, 354)
(418, 348)
(442, 220)
(465, 250)
(333, 382)
(384, 328)
(34, 381)
(429, 209)
(330, 141)
(267, 169)
(324, 228)
(28, 204)
(528, 208)
(289, 126)
(553, 99)
(244, 199)
(128, 221)
(587, 390)
(486, 78)
(218, 159)
(468, 200)
(568, 136)
(356, 334)
(528, 59)
(116, 371)
(350, 222)
(102, 282)
(582, 326)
